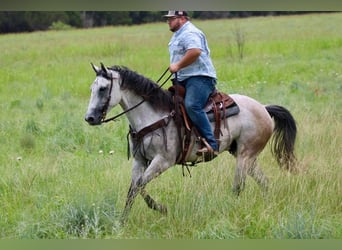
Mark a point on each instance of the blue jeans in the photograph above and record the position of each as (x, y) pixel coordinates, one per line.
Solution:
(198, 90)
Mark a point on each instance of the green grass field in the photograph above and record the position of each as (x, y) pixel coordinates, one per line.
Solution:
(59, 181)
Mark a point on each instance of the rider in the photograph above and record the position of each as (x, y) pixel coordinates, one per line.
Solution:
(190, 58)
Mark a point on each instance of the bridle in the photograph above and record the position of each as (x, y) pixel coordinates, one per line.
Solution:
(106, 106)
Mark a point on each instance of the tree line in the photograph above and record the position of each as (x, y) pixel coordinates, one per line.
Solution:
(27, 21)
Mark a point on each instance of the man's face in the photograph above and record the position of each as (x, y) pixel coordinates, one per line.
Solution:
(175, 23)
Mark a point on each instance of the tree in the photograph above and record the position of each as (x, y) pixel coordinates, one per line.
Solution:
(20, 21)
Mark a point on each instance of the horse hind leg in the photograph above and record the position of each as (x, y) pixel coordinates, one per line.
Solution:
(258, 175)
(247, 164)
(240, 174)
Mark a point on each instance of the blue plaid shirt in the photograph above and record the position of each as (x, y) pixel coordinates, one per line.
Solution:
(189, 37)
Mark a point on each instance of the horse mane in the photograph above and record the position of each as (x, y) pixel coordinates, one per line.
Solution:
(159, 98)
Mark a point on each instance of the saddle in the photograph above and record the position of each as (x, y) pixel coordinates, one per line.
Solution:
(219, 106)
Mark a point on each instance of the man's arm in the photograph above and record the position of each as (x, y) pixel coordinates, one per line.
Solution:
(190, 56)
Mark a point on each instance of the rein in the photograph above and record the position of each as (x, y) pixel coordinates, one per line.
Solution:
(105, 108)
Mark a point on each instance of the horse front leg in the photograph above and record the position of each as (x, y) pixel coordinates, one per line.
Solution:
(140, 178)
(132, 193)
(135, 187)
(157, 166)
(151, 203)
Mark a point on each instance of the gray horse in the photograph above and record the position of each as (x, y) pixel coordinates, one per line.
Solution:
(144, 103)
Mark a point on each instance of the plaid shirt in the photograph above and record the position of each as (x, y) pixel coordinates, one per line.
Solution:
(189, 37)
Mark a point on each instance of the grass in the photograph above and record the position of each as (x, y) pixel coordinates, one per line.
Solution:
(58, 179)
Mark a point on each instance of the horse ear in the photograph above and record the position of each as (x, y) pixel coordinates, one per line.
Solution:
(96, 69)
(104, 68)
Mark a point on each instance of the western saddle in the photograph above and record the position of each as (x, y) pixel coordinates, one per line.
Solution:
(218, 107)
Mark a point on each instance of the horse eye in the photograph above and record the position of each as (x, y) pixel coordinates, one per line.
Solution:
(102, 89)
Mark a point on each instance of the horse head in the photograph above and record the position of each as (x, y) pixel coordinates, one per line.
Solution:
(105, 94)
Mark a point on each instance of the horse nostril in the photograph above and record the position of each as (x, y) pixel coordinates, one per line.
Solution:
(89, 119)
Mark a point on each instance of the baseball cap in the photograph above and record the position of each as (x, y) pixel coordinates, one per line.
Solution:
(173, 13)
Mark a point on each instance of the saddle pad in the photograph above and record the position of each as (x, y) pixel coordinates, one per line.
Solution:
(230, 111)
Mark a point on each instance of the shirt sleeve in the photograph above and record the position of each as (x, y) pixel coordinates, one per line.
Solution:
(193, 41)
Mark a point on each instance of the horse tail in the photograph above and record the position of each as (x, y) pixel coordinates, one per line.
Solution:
(285, 131)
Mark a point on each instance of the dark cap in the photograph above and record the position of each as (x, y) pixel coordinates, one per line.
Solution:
(173, 13)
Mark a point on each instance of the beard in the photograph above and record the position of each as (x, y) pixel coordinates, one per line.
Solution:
(175, 26)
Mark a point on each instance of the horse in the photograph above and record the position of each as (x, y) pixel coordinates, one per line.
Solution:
(144, 103)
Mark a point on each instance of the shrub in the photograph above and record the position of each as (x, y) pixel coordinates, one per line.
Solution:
(59, 25)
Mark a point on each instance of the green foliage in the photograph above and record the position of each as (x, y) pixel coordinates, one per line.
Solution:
(62, 179)
(21, 21)
(59, 25)
(27, 141)
(304, 224)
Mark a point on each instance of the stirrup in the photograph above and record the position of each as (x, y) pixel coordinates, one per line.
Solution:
(207, 153)
(205, 149)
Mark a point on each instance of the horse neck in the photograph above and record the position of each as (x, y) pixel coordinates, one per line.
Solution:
(141, 116)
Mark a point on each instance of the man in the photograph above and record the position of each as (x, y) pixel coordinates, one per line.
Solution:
(190, 59)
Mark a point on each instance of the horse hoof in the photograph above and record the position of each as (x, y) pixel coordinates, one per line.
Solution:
(236, 192)
(123, 222)
(162, 209)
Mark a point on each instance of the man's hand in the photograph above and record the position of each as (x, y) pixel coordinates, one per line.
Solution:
(174, 67)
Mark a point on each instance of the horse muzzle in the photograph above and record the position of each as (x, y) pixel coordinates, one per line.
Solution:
(92, 120)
